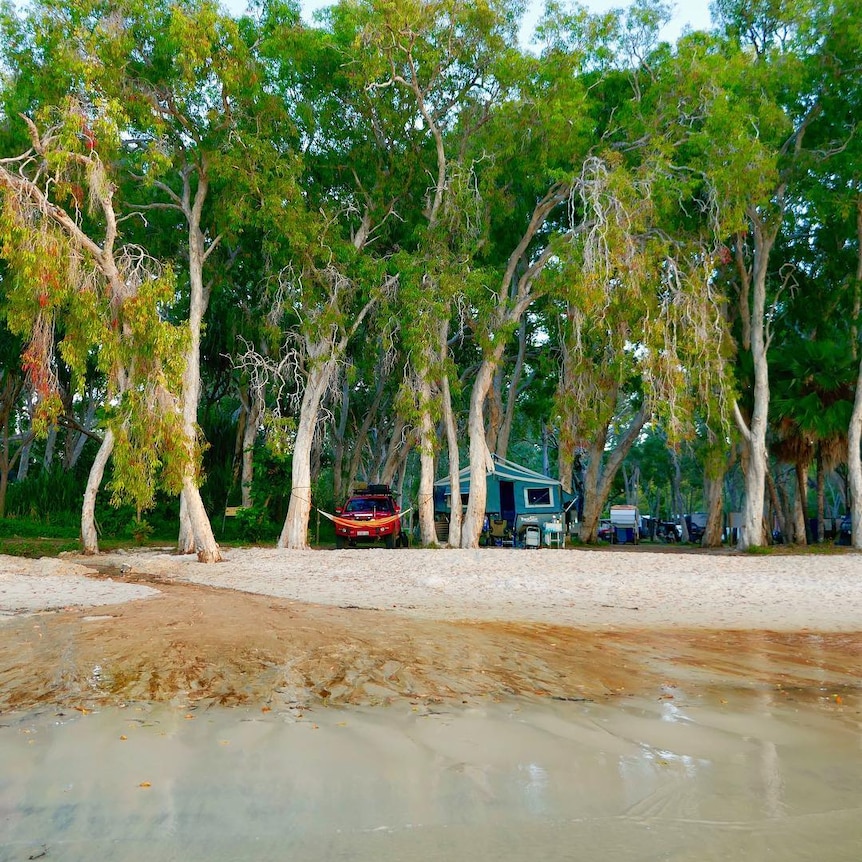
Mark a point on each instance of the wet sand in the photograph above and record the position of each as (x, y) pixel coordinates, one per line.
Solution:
(633, 780)
(374, 705)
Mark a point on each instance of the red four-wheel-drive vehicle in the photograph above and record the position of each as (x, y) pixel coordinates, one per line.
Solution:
(369, 515)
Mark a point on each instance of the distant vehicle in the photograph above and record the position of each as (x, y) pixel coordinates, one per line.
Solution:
(606, 530)
(845, 531)
(369, 515)
(696, 524)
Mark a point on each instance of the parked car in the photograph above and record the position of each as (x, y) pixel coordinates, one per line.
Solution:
(369, 515)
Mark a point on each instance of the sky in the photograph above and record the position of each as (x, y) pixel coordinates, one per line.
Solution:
(693, 13)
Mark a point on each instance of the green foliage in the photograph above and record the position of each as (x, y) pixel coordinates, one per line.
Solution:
(254, 524)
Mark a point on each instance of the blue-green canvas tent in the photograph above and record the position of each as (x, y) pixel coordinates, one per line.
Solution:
(513, 491)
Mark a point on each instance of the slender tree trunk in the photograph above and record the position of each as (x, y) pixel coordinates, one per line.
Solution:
(339, 442)
(454, 463)
(494, 410)
(788, 503)
(89, 534)
(777, 507)
(195, 521)
(50, 444)
(754, 434)
(294, 534)
(249, 436)
(362, 435)
(801, 507)
(821, 496)
(597, 486)
(24, 461)
(546, 447)
(88, 422)
(512, 398)
(678, 501)
(713, 487)
(427, 441)
(399, 445)
(480, 458)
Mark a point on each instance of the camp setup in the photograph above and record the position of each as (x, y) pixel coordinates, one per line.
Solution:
(516, 496)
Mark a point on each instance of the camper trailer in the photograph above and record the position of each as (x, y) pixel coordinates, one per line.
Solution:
(515, 494)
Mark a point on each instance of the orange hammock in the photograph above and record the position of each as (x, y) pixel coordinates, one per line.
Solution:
(371, 523)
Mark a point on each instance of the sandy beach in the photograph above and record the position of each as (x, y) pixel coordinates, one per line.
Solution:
(582, 588)
(374, 626)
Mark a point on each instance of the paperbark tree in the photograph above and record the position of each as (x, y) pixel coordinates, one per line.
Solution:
(106, 296)
(757, 174)
(329, 324)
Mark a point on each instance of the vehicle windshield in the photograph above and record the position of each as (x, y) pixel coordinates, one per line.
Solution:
(361, 504)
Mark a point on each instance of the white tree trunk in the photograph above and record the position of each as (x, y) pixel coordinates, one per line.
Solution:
(249, 436)
(751, 533)
(480, 458)
(294, 533)
(427, 441)
(454, 464)
(50, 444)
(89, 534)
(195, 527)
(88, 422)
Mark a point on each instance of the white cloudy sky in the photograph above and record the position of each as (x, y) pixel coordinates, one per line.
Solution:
(693, 13)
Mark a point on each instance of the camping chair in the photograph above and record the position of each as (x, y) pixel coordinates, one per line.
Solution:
(500, 534)
(532, 536)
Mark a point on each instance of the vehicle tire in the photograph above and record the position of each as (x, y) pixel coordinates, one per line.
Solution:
(389, 541)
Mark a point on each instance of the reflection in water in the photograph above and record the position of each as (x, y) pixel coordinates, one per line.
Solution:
(638, 781)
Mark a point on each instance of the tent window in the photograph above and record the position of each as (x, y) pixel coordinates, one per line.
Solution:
(538, 497)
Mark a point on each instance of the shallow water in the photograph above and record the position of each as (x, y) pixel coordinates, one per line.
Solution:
(630, 779)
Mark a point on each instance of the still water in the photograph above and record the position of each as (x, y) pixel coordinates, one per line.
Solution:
(626, 780)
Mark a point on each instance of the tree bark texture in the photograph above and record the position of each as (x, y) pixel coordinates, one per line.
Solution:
(480, 458)
(427, 441)
(455, 521)
(294, 534)
(597, 486)
(196, 522)
(754, 435)
(89, 534)
(713, 491)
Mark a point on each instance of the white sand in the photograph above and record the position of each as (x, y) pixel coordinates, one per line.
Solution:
(614, 588)
(29, 586)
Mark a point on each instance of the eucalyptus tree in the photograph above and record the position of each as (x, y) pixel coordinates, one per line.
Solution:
(424, 77)
(189, 80)
(771, 83)
(836, 192)
(60, 239)
(642, 331)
